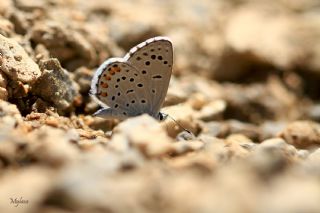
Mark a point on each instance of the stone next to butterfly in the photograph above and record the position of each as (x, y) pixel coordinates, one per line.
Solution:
(135, 84)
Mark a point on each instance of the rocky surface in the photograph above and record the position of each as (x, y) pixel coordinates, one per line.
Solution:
(245, 84)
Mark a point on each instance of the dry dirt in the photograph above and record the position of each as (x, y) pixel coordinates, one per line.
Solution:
(246, 82)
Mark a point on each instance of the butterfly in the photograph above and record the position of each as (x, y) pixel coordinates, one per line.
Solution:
(135, 84)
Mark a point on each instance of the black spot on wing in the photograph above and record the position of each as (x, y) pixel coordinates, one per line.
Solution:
(157, 76)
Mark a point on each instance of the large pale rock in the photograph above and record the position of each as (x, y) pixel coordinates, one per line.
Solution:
(140, 132)
(15, 62)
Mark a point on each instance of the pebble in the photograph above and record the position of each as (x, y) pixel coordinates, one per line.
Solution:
(183, 115)
(138, 132)
(302, 134)
(56, 86)
(272, 157)
(211, 111)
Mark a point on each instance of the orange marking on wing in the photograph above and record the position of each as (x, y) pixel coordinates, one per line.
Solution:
(104, 94)
(108, 78)
(117, 69)
(112, 71)
(104, 85)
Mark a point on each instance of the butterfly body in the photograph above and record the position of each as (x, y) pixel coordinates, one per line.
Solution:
(135, 84)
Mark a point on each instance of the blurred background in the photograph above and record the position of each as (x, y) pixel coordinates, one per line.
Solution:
(246, 82)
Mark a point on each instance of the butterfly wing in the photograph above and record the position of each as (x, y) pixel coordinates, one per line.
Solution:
(119, 89)
(153, 60)
(109, 113)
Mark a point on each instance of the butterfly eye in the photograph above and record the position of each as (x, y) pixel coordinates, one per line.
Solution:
(160, 116)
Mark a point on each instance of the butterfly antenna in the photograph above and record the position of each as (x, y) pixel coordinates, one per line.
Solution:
(188, 131)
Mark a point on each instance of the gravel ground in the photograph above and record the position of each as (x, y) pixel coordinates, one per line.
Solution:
(245, 82)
